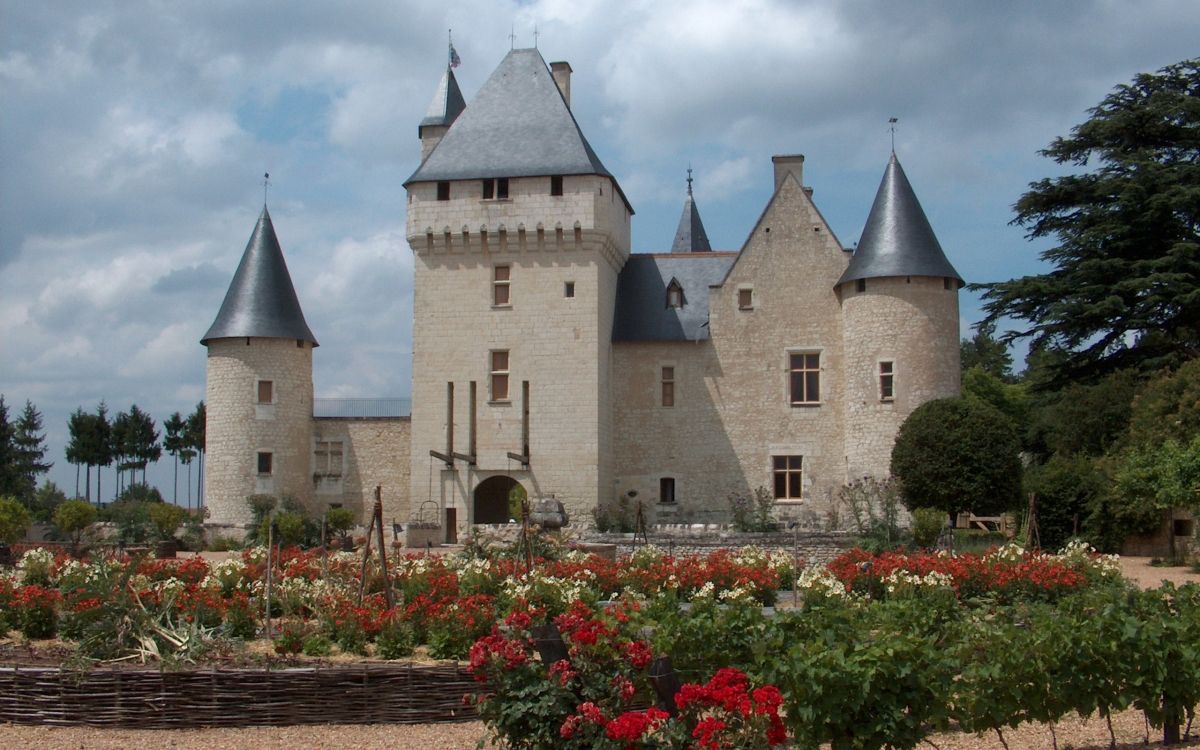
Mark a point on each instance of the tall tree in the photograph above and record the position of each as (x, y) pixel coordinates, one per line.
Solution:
(143, 441)
(173, 442)
(122, 447)
(983, 350)
(1124, 290)
(9, 479)
(77, 453)
(100, 444)
(30, 452)
(196, 432)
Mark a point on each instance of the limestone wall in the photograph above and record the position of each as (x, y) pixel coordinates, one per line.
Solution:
(375, 452)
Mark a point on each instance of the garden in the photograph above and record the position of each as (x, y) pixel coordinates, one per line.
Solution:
(737, 649)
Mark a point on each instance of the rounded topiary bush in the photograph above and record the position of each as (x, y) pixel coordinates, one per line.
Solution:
(958, 455)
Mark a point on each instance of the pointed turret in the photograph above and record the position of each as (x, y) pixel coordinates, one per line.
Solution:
(690, 237)
(261, 301)
(447, 105)
(898, 240)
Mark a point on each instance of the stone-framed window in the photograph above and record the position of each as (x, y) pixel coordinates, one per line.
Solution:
(328, 458)
(266, 391)
(887, 380)
(499, 372)
(667, 386)
(495, 189)
(502, 286)
(443, 191)
(788, 475)
(666, 490)
(569, 289)
(804, 378)
(745, 298)
(265, 463)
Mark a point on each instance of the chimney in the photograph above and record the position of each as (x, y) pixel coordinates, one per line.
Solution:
(788, 164)
(562, 76)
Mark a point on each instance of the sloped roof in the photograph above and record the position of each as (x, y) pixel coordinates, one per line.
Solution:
(261, 300)
(897, 239)
(448, 102)
(642, 313)
(690, 237)
(518, 125)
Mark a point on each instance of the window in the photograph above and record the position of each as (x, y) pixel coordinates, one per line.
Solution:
(264, 463)
(266, 391)
(887, 381)
(443, 191)
(328, 458)
(745, 299)
(501, 276)
(556, 185)
(569, 289)
(499, 375)
(789, 475)
(502, 188)
(945, 282)
(495, 189)
(668, 386)
(860, 285)
(666, 490)
(675, 294)
(804, 378)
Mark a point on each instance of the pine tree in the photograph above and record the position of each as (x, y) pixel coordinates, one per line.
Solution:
(30, 452)
(9, 478)
(173, 443)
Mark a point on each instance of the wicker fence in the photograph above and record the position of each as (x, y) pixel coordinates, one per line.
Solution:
(359, 694)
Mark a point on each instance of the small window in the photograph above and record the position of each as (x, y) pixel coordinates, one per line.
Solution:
(860, 285)
(266, 391)
(675, 296)
(887, 381)
(945, 282)
(668, 386)
(789, 477)
(264, 463)
(745, 299)
(499, 375)
(328, 458)
(502, 188)
(489, 189)
(666, 490)
(556, 185)
(804, 384)
(569, 289)
(501, 292)
(443, 191)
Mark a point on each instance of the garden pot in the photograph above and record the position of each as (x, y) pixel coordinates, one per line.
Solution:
(166, 550)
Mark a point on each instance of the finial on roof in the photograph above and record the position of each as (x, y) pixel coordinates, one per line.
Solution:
(455, 60)
(892, 127)
(266, 184)
(690, 237)
(689, 180)
(535, 36)
(512, 37)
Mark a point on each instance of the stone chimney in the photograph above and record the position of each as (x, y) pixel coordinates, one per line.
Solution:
(562, 76)
(788, 164)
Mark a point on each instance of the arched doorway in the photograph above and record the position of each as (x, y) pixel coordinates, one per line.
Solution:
(491, 499)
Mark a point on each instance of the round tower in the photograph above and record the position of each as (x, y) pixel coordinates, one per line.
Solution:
(260, 388)
(899, 298)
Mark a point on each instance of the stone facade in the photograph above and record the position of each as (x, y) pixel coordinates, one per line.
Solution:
(373, 453)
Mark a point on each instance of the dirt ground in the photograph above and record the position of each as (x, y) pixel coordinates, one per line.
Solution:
(1077, 734)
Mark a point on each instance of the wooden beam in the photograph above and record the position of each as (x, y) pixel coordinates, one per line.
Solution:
(524, 459)
(464, 457)
(449, 461)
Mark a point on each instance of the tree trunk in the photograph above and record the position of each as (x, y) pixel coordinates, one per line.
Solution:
(88, 483)
(175, 494)
(76, 480)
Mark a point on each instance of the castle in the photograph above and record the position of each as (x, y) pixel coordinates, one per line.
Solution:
(546, 355)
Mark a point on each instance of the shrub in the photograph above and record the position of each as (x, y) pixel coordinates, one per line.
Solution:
(874, 506)
(957, 455)
(167, 519)
(140, 493)
(74, 518)
(36, 611)
(45, 500)
(755, 513)
(1066, 488)
(317, 644)
(290, 640)
(224, 543)
(132, 519)
(14, 520)
(339, 521)
(927, 525)
(395, 639)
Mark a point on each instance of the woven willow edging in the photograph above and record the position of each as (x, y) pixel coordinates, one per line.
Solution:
(144, 699)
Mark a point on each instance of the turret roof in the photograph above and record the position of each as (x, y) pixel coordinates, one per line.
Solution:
(448, 102)
(261, 300)
(897, 240)
(690, 237)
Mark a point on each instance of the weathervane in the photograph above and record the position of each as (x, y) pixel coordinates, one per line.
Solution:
(266, 184)
(535, 36)
(512, 37)
(892, 127)
(689, 180)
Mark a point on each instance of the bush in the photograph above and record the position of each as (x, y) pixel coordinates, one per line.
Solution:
(45, 500)
(958, 455)
(132, 519)
(140, 493)
(874, 505)
(14, 520)
(74, 518)
(395, 640)
(753, 513)
(927, 525)
(1066, 489)
(167, 519)
(339, 521)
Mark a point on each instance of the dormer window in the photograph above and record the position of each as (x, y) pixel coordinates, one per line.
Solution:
(495, 189)
(675, 296)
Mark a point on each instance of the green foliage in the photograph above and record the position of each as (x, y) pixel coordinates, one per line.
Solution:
(28, 453)
(619, 516)
(874, 506)
(1149, 481)
(291, 528)
(517, 497)
(985, 353)
(1123, 288)
(132, 519)
(45, 500)
(1067, 488)
(395, 639)
(74, 518)
(317, 644)
(1167, 408)
(167, 519)
(339, 521)
(956, 455)
(755, 513)
(290, 640)
(14, 520)
(1010, 399)
(1088, 419)
(927, 525)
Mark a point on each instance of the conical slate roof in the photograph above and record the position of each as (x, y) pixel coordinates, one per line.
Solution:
(897, 240)
(690, 237)
(448, 102)
(518, 125)
(261, 300)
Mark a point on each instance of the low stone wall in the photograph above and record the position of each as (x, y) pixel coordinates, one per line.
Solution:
(814, 547)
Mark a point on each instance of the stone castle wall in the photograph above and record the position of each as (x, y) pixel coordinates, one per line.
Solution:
(375, 453)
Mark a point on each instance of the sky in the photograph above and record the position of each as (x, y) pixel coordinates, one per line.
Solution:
(134, 135)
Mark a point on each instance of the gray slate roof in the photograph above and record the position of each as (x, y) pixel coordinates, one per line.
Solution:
(448, 102)
(690, 237)
(642, 313)
(261, 300)
(897, 240)
(518, 125)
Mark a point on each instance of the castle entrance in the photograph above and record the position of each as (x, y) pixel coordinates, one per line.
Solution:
(491, 500)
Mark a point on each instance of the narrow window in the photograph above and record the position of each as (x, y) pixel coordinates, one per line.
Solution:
(264, 463)
(945, 282)
(569, 289)
(266, 391)
(860, 285)
(666, 490)
(668, 386)
(443, 191)
(556, 185)
(328, 456)
(745, 299)
(804, 378)
(675, 296)
(502, 188)
(500, 285)
(887, 382)
(499, 373)
(489, 189)
(789, 475)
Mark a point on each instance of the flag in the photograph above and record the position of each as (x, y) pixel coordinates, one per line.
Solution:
(455, 60)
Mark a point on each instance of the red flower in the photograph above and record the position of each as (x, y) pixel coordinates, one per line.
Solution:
(706, 733)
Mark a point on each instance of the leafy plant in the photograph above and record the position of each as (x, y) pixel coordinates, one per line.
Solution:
(14, 520)
(927, 526)
(74, 518)
(756, 513)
